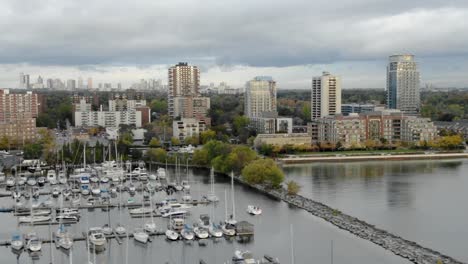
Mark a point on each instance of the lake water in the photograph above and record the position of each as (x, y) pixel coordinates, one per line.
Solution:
(312, 237)
(423, 201)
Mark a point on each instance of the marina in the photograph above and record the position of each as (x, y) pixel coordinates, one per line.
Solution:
(114, 212)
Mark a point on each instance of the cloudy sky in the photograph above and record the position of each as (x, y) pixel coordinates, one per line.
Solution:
(233, 40)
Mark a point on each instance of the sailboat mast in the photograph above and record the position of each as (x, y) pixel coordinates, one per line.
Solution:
(232, 197)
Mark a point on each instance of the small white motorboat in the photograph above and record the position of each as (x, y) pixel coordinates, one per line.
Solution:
(55, 192)
(200, 232)
(150, 227)
(140, 235)
(96, 191)
(228, 229)
(120, 230)
(187, 233)
(107, 230)
(34, 244)
(215, 231)
(172, 235)
(141, 211)
(254, 210)
(34, 219)
(65, 241)
(30, 182)
(10, 182)
(97, 240)
(17, 242)
(186, 185)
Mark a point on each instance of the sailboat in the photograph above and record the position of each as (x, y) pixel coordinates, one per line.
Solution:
(140, 235)
(34, 244)
(227, 227)
(120, 229)
(187, 232)
(185, 184)
(150, 227)
(211, 195)
(17, 242)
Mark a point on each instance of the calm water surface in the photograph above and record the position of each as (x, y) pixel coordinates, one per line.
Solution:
(424, 201)
(311, 236)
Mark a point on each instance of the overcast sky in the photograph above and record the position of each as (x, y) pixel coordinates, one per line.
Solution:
(233, 40)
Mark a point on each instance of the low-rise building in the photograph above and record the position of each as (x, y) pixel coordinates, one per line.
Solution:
(187, 127)
(122, 111)
(283, 139)
(391, 126)
(18, 131)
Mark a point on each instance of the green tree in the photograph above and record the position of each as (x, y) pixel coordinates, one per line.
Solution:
(216, 148)
(239, 157)
(293, 188)
(154, 143)
(263, 171)
(193, 140)
(4, 143)
(156, 154)
(200, 157)
(240, 123)
(207, 135)
(32, 151)
(175, 141)
(159, 106)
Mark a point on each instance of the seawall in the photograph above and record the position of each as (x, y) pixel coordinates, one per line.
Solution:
(308, 159)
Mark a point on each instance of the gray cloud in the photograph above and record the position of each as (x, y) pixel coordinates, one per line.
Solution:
(229, 32)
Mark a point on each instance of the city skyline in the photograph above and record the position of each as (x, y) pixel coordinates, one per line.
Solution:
(268, 41)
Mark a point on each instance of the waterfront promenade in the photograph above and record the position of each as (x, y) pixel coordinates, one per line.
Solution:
(293, 159)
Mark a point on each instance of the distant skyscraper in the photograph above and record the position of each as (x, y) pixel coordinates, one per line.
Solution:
(403, 84)
(183, 80)
(40, 80)
(71, 84)
(260, 96)
(119, 86)
(90, 83)
(80, 83)
(50, 83)
(24, 81)
(326, 96)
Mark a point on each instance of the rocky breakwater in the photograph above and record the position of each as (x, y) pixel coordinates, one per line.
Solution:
(402, 247)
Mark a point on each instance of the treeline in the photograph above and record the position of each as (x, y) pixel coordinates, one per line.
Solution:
(445, 106)
(444, 143)
(226, 158)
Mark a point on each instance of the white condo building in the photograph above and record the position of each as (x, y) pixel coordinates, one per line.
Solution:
(260, 96)
(403, 91)
(326, 96)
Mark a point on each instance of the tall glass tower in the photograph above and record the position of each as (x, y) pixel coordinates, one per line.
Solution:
(403, 84)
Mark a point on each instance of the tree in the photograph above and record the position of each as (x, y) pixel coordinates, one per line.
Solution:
(4, 143)
(159, 106)
(240, 123)
(32, 151)
(154, 143)
(156, 154)
(175, 141)
(200, 157)
(293, 188)
(216, 148)
(193, 140)
(450, 142)
(263, 171)
(207, 135)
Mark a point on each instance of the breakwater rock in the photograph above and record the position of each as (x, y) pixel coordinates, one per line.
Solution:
(402, 247)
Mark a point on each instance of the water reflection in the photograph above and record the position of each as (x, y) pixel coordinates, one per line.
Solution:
(415, 199)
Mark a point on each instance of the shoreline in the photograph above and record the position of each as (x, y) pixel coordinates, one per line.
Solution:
(407, 249)
(343, 158)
